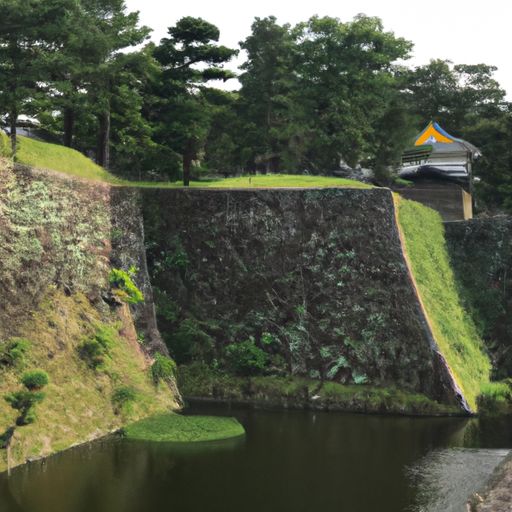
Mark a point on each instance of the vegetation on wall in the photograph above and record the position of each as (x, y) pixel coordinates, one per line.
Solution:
(123, 286)
(453, 327)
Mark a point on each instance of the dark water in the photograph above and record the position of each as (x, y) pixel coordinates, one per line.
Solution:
(288, 461)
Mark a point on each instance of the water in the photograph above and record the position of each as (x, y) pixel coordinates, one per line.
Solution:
(288, 461)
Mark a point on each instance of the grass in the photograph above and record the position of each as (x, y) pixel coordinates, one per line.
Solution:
(78, 404)
(495, 398)
(199, 381)
(54, 157)
(453, 328)
(184, 429)
(59, 158)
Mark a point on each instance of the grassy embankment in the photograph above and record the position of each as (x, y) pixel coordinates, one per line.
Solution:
(68, 161)
(453, 327)
(80, 402)
(184, 429)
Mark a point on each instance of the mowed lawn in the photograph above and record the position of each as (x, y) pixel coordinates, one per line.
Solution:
(54, 157)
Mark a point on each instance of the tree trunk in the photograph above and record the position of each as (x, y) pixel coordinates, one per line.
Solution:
(13, 119)
(69, 123)
(188, 156)
(103, 149)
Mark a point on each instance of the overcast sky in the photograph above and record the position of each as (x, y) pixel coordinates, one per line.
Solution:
(463, 31)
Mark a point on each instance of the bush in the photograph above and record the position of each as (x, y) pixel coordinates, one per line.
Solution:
(124, 286)
(122, 397)
(94, 350)
(15, 351)
(163, 368)
(189, 342)
(246, 358)
(35, 379)
(24, 401)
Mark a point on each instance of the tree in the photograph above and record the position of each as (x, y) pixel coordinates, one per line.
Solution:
(345, 72)
(190, 57)
(265, 97)
(28, 36)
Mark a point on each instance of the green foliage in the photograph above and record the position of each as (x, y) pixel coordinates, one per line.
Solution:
(495, 398)
(94, 350)
(122, 397)
(183, 114)
(246, 358)
(184, 429)
(453, 327)
(198, 380)
(25, 400)
(35, 379)
(124, 287)
(189, 341)
(163, 368)
(14, 352)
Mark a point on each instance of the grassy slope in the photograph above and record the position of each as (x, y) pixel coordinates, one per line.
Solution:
(453, 328)
(59, 158)
(78, 403)
(178, 428)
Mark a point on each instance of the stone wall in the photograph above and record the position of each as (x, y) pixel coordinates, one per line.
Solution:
(315, 278)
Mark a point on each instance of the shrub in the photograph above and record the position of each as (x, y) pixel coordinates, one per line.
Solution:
(24, 401)
(163, 368)
(124, 287)
(94, 350)
(35, 379)
(122, 397)
(15, 351)
(246, 358)
(189, 342)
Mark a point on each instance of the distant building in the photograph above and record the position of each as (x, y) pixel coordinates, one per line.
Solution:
(440, 167)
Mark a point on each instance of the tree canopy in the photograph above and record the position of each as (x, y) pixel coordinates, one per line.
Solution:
(312, 97)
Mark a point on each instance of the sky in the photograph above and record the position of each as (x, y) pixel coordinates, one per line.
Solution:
(463, 31)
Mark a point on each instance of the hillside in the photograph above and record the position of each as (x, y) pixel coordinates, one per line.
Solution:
(60, 313)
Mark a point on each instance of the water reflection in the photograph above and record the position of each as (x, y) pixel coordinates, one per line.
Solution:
(288, 461)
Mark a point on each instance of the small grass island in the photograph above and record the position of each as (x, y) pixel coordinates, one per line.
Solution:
(178, 428)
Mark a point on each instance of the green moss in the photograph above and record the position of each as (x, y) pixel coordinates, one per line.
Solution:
(184, 429)
(453, 328)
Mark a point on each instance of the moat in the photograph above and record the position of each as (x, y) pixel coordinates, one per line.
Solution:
(288, 461)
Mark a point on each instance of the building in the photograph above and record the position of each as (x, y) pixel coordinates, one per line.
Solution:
(440, 169)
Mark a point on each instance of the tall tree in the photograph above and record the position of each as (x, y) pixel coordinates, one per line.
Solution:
(190, 57)
(28, 37)
(345, 71)
(265, 96)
